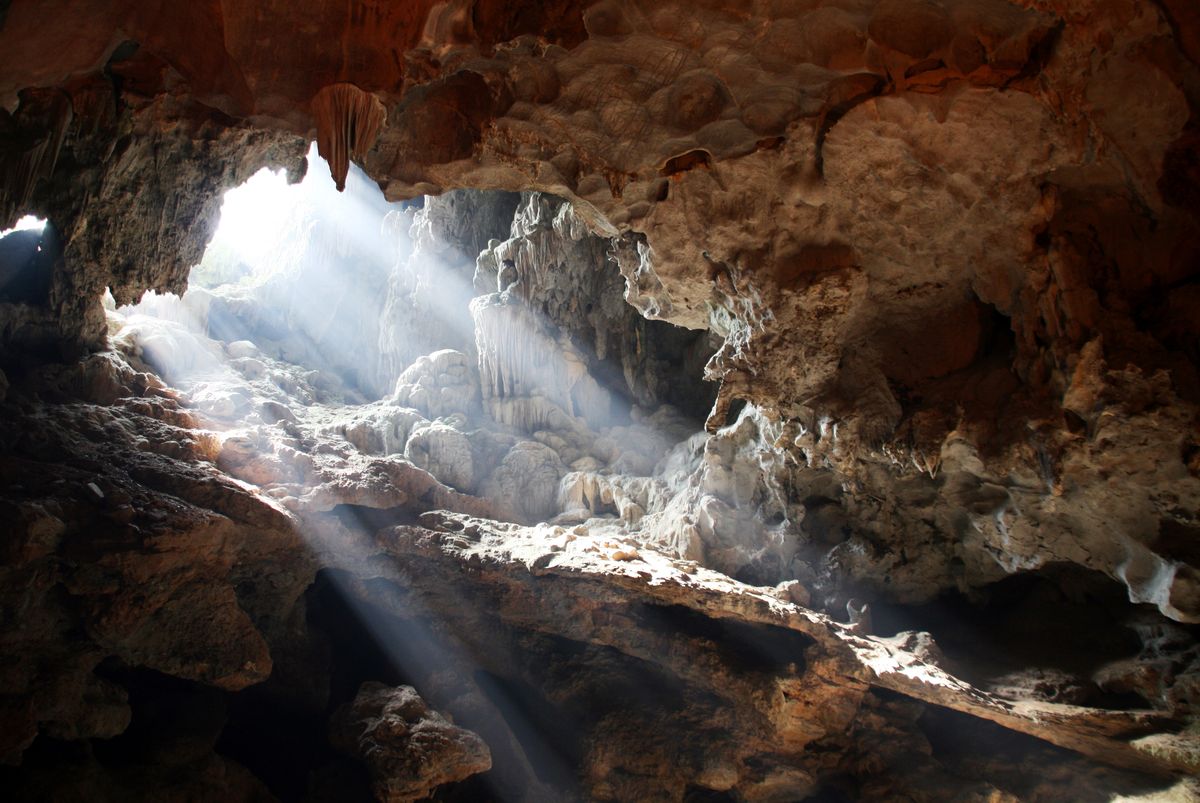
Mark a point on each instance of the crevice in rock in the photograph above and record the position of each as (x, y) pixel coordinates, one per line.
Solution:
(985, 753)
(747, 648)
(1061, 634)
(692, 160)
(851, 92)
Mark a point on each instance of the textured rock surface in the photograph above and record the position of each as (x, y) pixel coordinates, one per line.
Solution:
(898, 215)
(777, 677)
(947, 250)
(409, 749)
(608, 656)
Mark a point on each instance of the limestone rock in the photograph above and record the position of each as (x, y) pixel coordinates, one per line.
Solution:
(945, 254)
(348, 121)
(409, 748)
(445, 453)
(439, 384)
(527, 480)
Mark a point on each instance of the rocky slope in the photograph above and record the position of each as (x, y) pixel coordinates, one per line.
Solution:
(945, 252)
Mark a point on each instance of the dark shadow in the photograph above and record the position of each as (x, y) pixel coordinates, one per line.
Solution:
(1061, 617)
(744, 647)
(27, 260)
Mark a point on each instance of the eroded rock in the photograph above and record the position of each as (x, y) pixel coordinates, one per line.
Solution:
(409, 748)
(948, 250)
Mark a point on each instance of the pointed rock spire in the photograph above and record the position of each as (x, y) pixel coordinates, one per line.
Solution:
(348, 122)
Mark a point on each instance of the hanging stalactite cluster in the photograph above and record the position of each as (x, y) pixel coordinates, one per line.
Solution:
(348, 122)
(30, 140)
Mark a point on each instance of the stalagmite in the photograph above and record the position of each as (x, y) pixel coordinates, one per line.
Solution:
(348, 122)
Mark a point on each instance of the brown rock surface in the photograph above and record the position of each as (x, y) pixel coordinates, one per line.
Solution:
(409, 749)
(949, 247)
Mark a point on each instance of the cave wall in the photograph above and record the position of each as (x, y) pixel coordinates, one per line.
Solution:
(950, 249)
(134, 195)
(915, 221)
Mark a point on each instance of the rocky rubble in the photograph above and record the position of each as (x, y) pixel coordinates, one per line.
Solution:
(409, 750)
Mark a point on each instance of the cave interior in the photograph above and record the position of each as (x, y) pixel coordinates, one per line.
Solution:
(615, 400)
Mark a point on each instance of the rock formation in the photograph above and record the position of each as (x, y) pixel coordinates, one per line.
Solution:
(409, 749)
(348, 121)
(750, 401)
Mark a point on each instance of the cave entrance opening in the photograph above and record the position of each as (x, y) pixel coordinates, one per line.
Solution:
(25, 223)
(482, 336)
(28, 252)
(255, 218)
(362, 363)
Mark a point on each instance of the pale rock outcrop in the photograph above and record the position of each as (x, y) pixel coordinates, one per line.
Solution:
(445, 453)
(439, 384)
(379, 429)
(519, 357)
(527, 479)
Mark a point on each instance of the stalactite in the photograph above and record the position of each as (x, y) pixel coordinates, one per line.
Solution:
(519, 357)
(29, 147)
(348, 122)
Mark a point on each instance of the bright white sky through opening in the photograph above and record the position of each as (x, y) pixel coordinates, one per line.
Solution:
(253, 217)
(27, 223)
(266, 224)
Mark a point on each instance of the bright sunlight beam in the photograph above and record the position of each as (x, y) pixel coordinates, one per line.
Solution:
(253, 217)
